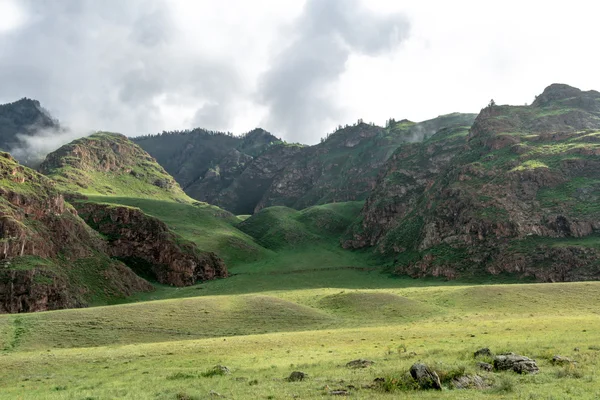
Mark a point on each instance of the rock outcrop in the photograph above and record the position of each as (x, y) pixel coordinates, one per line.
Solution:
(149, 246)
(425, 377)
(514, 194)
(516, 363)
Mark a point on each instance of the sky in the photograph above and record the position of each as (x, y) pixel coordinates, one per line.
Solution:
(297, 68)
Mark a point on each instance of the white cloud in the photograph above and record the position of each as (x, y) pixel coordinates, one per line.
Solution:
(11, 16)
(144, 66)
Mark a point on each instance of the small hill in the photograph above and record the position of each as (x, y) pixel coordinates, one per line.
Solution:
(110, 164)
(50, 258)
(281, 227)
(516, 195)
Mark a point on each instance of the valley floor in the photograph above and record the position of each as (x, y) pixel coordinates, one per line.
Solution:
(165, 349)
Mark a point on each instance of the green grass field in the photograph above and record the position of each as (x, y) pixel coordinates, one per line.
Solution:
(163, 349)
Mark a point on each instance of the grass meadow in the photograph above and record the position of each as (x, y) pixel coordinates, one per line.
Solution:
(165, 349)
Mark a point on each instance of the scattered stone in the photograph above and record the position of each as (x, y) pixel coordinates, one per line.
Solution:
(241, 379)
(470, 382)
(516, 363)
(212, 393)
(412, 354)
(576, 349)
(360, 363)
(560, 360)
(485, 366)
(223, 370)
(379, 380)
(484, 352)
(297, 376)
(339, 392)
(427, 378)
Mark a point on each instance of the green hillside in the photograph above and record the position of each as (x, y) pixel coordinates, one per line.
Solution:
(514, 194)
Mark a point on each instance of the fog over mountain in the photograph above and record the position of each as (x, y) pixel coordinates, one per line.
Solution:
(297, 69)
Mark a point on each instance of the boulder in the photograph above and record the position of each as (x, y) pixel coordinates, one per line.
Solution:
(297, 376)
(516, 363)
(560, 360)
(425, 377)
(485, 366)
(484, 352)
(469, 382)
(360, 363)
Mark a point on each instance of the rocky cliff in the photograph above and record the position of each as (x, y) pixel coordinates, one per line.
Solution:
(150, 247)
(48, 253)
(244, 175)
(517, 194)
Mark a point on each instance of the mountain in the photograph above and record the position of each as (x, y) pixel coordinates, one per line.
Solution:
(516, 193)
(122, 192)
(257, 170)
(22, 118)
(194, 157)
(50, 258)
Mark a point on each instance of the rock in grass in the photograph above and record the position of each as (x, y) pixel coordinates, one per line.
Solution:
(485, 366)
(217, 370)
(516, 363)
(360, 363)
(425, 377)
(297, 376)
(484, 352)
(469, 382)
(339, 392)
(560, 360)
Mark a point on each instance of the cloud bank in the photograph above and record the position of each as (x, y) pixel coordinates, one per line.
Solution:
(297, 68)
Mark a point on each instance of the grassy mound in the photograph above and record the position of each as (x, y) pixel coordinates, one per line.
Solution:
(282, 227)
(378, 306)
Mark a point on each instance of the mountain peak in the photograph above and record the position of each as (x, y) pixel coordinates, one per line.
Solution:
(558, 92)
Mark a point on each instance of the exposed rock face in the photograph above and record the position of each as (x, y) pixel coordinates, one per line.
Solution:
(33, 290)
(516, 363)
(343, 167)
(515, 195)
(42, 240)
(135, 236)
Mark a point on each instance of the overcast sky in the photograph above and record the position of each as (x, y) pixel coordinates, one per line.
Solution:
(296, 68)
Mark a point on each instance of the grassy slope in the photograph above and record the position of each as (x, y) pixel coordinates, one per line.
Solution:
(210, 227)
(132, 183)
(160, 349)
